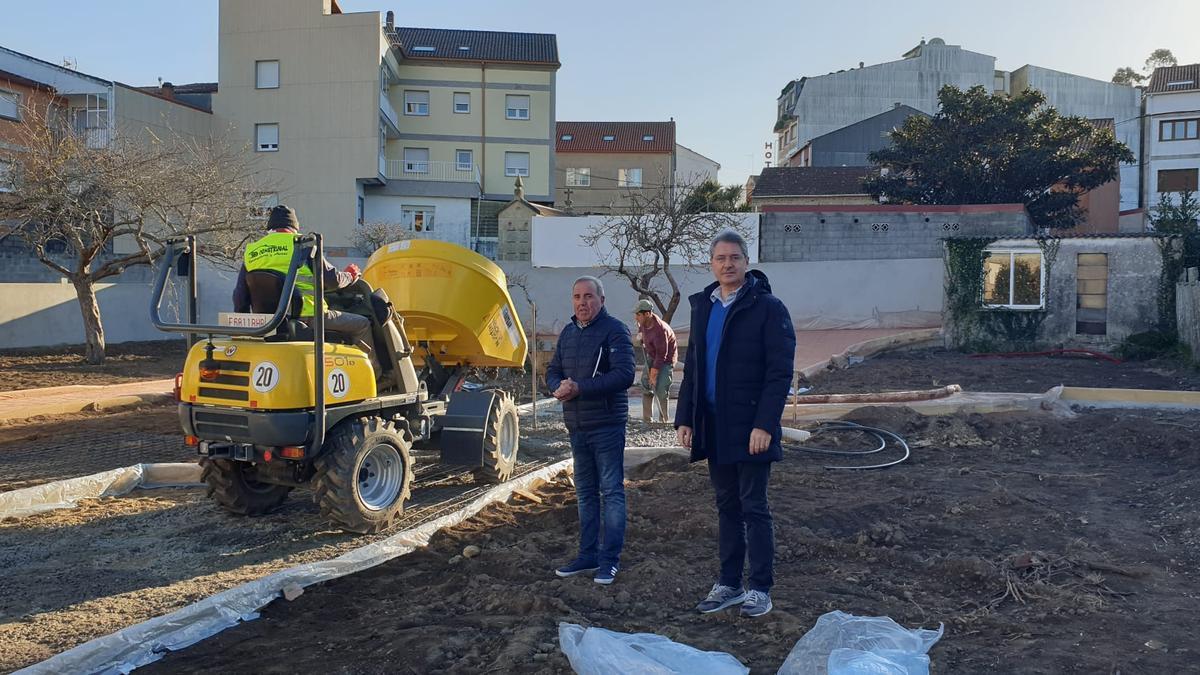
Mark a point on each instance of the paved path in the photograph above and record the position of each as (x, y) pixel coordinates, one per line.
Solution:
(26, 403)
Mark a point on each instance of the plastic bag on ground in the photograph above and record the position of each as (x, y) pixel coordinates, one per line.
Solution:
(596, 651)
(863, 645)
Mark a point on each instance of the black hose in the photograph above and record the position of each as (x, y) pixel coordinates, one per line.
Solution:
(881, 434)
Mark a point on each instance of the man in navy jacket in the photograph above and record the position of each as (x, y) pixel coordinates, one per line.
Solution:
(590, 371)
(735, 385)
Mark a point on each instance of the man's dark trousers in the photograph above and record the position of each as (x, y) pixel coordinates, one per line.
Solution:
(743, 518)
(599, 458)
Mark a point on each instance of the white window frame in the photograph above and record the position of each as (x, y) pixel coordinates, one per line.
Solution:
(1012, 252)
(510, 170)
(259, 131)
(259, 75)
(413, 106)
(8, 175)
(15, 97)
(457, 103)
(410, 213)
(625, 177)
(513, 109)
(579, 177)
(459, 165)
(413, 163)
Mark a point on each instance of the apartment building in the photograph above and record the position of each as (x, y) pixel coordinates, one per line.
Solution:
(603, 167)
(1172, 129)
(810, 107)
(366, 121)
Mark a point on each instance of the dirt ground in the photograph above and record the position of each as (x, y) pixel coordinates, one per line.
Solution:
(60, 366)
(928, 368)
(1045, 545)
(115, 562)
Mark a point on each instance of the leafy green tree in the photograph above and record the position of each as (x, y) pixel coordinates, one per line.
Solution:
(710, 197)
(1171, 217)
(994, 149)
(1128, 76)
(1159, 58)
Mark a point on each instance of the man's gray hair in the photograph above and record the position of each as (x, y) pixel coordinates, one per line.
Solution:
(729, 236)
(595, 282)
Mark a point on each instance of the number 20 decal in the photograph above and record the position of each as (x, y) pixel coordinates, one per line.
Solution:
(338, 382)
(265, 377)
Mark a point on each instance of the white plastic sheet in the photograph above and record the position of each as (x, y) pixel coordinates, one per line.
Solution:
(146, 642)
(844, 644)
(596, 651)
(65, 494)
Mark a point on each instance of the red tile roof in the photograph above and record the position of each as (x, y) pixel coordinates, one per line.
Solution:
(626, 137)
(1185, 78)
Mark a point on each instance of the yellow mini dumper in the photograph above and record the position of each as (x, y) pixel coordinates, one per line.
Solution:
(271, 404)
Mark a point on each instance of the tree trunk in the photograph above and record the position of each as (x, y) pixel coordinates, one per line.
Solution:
(93, 329)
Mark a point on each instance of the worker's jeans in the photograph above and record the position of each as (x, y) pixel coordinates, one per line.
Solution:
(656, 394)
(354, 326)
(599, 456)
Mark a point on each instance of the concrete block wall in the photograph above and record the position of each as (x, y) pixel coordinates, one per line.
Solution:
(1187, 313)
(876, 233)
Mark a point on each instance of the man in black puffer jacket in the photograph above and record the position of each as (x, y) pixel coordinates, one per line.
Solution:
(590, 371)
(735, 384)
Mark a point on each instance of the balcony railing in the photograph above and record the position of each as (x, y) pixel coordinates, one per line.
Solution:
(446, 172)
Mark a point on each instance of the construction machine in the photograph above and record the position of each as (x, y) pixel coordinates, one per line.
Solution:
(271, 403)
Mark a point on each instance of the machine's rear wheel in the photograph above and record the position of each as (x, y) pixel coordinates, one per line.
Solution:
(365, 475)
(232, 485)
(502, 437)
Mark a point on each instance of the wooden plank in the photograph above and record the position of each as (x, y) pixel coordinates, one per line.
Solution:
(1091, 315)
(1091, 273)
(1091, 286)
(1093, 301)
(521, 492)
(1097, 259)
(1091, 328)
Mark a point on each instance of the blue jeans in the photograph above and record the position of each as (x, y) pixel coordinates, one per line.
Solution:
(599, 456)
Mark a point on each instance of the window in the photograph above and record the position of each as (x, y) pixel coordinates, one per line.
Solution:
(1013, 278)
(10, 105)
(416, 160)
(567, 137)
(464, 160)
(1177, 180)
(608, 138)
(417, 218)
(8, 176)
(424, 49)
(416, 102)
(361, 213)
(1178, 130)
(629, 178)
(385, 83)
(516, 164)
(266, 74)
(462, 101)
(648, 137)
(516, 107)
(266, 137)
(581, 177)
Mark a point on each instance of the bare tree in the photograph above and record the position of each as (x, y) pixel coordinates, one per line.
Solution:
(372, 236)
(656, 236)
(89, 213)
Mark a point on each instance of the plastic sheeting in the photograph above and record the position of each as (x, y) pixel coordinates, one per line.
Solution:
(597, 651)
(146, 642)
(65, 494)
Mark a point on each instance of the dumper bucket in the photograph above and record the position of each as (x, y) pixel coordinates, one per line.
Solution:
(452, 299)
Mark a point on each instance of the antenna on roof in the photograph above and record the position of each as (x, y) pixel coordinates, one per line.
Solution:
(70, 62)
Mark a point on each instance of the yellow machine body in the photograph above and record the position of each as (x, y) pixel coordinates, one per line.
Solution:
(266, 376)
(451, 298)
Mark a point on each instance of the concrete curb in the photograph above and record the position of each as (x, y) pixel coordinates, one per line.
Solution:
(1095, 397)
(29, 403)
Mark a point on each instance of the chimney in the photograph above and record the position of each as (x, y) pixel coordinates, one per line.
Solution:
(896, 105)
(390, 23)
(519, 189)
(860, 64)
(167, 90)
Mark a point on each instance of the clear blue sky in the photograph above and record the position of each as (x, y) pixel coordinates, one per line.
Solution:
(716, 67)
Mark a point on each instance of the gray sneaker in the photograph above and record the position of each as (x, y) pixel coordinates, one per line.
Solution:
(721, 597)
(757, 603)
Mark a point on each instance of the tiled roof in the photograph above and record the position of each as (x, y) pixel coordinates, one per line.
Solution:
(476, 45)
(1184, 78)
(649, 137)
(794, 181)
